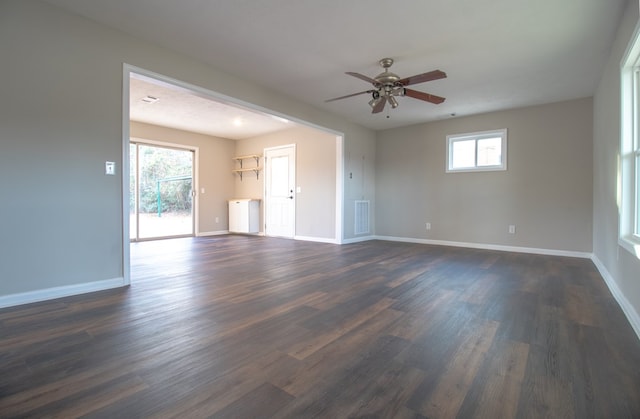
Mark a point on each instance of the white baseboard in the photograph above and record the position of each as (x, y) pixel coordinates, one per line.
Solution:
(58, 292)
(212, 233)
(315, 239)
(627, 308)
(498, 247)
(358, 239)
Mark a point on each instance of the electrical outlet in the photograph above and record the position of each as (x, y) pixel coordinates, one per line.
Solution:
(427, 226)
(512, 229)
(217, 220)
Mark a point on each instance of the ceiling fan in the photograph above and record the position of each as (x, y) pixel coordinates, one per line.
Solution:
(387, 85)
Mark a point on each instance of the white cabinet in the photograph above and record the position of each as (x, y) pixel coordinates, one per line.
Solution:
(244, 216)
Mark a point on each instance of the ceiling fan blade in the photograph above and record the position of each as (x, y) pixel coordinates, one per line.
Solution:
(362, 77)
(421, 78)
(380, 105)
(423, 96)
(351, 95)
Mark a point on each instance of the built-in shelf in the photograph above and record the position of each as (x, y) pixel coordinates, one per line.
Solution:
(256, 169)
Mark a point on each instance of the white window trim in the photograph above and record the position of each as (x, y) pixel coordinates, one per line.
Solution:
(502, 133)
(628, 188)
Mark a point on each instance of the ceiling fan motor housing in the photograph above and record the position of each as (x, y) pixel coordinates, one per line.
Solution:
(386, 79)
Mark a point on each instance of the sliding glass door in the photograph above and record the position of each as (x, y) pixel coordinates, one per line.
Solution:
(161, 192)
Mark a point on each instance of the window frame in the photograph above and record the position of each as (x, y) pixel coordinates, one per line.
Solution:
(637, 202)
(629, 157)
(477, 136)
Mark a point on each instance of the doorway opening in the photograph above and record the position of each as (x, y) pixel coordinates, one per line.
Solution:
(161, 192)
(227, 106)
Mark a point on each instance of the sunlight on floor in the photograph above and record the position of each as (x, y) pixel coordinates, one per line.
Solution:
(169, 224)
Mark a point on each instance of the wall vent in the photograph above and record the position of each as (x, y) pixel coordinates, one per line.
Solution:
(362, 217)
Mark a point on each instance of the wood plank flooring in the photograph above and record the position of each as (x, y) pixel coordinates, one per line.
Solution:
(244, 327)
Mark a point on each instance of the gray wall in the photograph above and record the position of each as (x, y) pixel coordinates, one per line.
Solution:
(213, 171)
(360, 180)
(315, 175)
(622, 267)
(546, 191)
(61, 119)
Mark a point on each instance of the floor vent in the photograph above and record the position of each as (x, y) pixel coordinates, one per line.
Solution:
(362, 217)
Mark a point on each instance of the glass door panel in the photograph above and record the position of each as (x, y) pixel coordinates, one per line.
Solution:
(133, 191)
(164, 192)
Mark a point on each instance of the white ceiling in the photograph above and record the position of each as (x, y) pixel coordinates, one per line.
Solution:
(186, 110)
(498, 54)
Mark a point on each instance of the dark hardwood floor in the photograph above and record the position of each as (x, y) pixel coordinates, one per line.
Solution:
(242, 327)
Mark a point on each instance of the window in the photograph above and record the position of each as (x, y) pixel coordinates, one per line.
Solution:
(633, 151)
(477, 151)
(637, 187)
(629, 168)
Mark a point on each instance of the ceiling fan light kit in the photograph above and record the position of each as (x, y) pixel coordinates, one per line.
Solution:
(386, 85)
(374, 102)
(392, 101)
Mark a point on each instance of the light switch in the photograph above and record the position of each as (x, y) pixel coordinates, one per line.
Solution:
(109, 168)
(298, 189)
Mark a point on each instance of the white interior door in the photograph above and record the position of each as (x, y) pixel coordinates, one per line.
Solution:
(280, 202)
